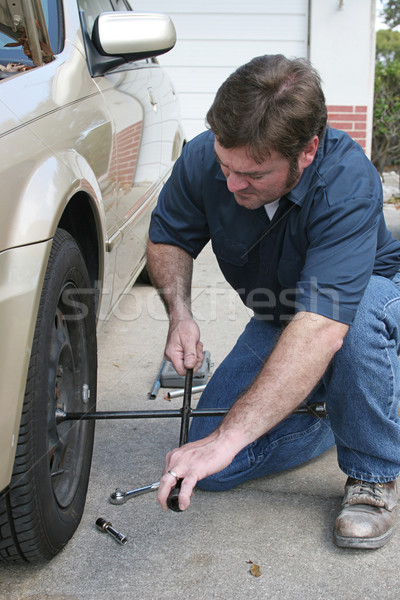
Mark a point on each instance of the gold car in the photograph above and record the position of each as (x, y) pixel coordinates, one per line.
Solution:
(89, 131)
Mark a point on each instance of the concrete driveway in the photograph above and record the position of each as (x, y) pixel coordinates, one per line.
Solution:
(282, 523)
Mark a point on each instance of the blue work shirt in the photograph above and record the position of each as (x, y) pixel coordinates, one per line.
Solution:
(317, 254)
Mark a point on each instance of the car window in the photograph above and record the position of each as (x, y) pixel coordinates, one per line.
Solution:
(120, 5)
(92, 8)
(10, 53)
(54, 20)
(14, 47)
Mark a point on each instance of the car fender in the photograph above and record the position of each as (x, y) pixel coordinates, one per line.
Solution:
(22, 270)
(52, 183)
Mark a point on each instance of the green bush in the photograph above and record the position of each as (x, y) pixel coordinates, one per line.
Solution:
(391, 12)
(387, 45)
(386, 146)
(386, 150)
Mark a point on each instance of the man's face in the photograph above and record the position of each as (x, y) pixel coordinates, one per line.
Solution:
(254, 184)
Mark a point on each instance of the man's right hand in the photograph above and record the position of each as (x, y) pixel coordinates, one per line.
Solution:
(184, 348)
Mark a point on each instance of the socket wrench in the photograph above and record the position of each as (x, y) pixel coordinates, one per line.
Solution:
(120, 497)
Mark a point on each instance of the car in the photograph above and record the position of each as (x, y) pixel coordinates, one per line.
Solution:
(89, 131)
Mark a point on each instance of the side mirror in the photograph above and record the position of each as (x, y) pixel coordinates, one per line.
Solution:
(133, 36)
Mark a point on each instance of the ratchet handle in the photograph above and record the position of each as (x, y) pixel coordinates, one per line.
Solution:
(173, 498)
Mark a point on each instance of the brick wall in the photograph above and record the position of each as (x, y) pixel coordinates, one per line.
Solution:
(128, 142)
(352, 119)
(124, 155)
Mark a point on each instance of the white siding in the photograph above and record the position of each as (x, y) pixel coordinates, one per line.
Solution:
(342, 48)
(214, 37)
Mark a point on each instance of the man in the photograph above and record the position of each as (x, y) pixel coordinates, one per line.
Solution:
(294, 213)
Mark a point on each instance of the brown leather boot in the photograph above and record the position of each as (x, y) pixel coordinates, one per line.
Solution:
(368, 514)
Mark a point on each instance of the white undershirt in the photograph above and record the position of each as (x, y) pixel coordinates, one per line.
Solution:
(271, 208)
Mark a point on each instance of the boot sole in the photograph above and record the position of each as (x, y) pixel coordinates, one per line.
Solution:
(364, 543)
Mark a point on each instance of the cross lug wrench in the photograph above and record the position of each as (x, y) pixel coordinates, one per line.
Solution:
(172, 500)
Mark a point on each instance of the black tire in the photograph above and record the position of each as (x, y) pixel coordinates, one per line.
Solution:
(144, 277)
(43, 505)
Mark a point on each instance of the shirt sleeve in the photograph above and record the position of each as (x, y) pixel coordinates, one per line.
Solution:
(340, 257)
(179, 218)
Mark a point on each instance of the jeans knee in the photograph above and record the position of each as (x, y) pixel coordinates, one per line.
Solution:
(237, 472)
(381, 299)
(216, 483)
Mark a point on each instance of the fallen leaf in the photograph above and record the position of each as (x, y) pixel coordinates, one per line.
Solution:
(255, 570)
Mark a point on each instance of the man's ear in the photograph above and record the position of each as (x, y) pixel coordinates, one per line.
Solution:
(307, 155)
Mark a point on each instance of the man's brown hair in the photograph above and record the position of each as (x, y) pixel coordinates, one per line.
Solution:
(270, 103)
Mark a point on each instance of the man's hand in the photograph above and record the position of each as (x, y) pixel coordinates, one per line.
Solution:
(184, 348)
(193, 462)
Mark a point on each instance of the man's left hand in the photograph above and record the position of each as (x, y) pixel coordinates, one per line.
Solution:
(191, 463)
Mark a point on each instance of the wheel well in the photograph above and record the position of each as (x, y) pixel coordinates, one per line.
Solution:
(79, 220)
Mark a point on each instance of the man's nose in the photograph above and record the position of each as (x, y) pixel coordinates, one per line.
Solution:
(236, 182)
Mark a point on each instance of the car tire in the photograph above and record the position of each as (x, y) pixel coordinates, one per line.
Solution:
(144, 277)
(43, 505)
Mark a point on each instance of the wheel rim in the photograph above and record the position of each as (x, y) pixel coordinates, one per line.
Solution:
(67, 390)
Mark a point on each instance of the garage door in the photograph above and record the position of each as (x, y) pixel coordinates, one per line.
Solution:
(216, 36)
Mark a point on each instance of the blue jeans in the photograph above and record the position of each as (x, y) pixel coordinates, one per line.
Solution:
(361, 388)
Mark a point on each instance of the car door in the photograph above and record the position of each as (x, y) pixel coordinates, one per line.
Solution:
(131, 93)
(133, 102)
